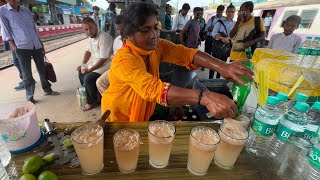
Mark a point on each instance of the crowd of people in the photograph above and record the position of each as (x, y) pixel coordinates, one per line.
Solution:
(120, 67)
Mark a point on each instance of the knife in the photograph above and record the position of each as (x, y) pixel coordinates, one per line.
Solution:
(53, 137)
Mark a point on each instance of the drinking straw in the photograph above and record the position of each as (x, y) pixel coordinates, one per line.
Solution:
(296, 85)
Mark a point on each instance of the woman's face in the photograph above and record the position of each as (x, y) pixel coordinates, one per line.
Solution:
(147, 36)
(230, 13)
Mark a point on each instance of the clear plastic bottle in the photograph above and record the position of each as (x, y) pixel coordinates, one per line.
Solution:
(5, 155)
(3, 173)
(303, 51)
(308, 42)
(293, 122)
(283, 98)
(264, 124)
(312, 169)
(313, 121)
(312, 54)
(299, 97)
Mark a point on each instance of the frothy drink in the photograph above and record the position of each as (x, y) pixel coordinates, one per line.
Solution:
(126, 147)
(232, 139)
(241, 120)
(160, 135)
(202, 145)
(88, 143)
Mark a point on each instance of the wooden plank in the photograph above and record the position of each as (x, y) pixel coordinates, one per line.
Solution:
(245, 168)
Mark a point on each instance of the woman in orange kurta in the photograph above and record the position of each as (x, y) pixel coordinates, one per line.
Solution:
(135, 86)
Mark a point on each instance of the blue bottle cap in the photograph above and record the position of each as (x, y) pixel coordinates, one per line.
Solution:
(317, 38)
(316, 105)
(301, 97)
(301, 106)
(309, 37)
(282, 96)
(273, 100)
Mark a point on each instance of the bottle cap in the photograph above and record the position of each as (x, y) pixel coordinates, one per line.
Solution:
(317, 38)
(301, 97)
(309, 37)
(273, 100)
(301, 106)
(316, 105)
(282, 96)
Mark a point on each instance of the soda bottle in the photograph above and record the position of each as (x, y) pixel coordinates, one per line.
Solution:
(265, 121)
(241, 92)
(299, 97)
(293, 122)
(312, 168)
(313, 121)
(283, 98)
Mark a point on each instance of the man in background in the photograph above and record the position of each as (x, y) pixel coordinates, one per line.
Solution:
(167, 20)
(180, 20)
(267, 22)
(95, 16)
(107, 21)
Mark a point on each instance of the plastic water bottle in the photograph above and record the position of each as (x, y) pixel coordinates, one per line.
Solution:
(299, 97)
(5, 155)
(293, 122)
(303, 51)
(264, 124)
(283, 98)
(313, 121)
(307, 43)
(312, 54)
(3, 172)
(312, 169)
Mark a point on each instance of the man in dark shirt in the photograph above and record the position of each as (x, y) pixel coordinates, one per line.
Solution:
(167, 20)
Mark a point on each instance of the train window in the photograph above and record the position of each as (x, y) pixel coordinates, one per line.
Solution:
(289, 13)
(307, 17)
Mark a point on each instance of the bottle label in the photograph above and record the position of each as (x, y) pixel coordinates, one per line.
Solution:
(262, 128)
(308, 134)
(314, 157)
(303, 51)
(283, 133)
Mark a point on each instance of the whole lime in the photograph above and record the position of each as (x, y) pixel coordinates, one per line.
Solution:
(32, 165)
(47, 175)
(27, 177)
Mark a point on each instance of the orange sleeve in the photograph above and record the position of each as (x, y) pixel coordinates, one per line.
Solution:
(132, 71)
(177, 54)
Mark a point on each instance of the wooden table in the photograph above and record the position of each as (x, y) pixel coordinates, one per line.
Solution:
(245, 168)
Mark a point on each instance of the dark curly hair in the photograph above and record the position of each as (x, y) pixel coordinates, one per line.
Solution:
(136, 15)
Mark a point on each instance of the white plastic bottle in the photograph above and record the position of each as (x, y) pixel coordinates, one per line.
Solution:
(313, 121)
(5, 155)
(294, 122)
(299, 97)
(283, 99)
(3, 172)
(312, 168)
(303, 51)
(264, 124)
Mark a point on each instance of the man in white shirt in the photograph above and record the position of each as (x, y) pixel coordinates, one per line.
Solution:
(95, 16)
(209, 28)
(267, 22)
(100, 44)
(287, 41)
(103, 81)
(180, 20)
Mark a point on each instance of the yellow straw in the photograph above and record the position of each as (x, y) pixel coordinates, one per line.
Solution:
(299, 81)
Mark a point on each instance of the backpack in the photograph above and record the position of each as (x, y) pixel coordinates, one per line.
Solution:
(203, 32)
(255, 33)
(109, 23)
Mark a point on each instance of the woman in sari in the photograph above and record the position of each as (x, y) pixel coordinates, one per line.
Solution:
(135, 87)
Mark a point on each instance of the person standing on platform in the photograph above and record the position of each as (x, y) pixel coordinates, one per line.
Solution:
(267, 22)
(209, 28)
(19, 30)
(287, 41)
(180, 21)
(100, 44)
(107, 21)
(167, 20)
(95, 16)
(189, 35)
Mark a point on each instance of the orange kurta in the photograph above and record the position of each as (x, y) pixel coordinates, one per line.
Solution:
(133, 91)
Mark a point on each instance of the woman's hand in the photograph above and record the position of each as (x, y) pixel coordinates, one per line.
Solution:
(234, 70)
(219, 105)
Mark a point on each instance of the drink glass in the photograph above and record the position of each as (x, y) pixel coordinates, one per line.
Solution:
(241, 120)
(88, 143)
(233, 138)
(160, 136)
(202, 145)
(126, 144)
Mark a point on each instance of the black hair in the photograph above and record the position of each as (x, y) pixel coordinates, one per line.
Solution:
(112, 6)
(294, 18)
(168, 6)
(120, 19)
(220, 8)
(196, 9)
(231, 6)
(88, 20)
(136, 15)
(186, 6)
(96, 8)
(248, 5)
